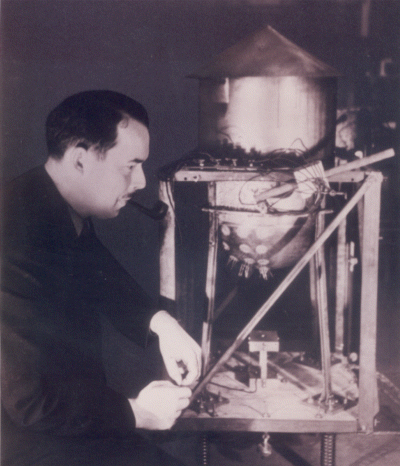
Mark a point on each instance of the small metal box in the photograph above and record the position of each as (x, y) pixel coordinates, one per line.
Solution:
(263, 340)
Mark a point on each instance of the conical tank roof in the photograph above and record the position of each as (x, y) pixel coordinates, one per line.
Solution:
(265, 53)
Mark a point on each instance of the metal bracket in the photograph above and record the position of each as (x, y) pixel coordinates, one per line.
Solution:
(207, 402)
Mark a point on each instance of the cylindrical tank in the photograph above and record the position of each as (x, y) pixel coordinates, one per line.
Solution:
(269, 113)
(267, 94)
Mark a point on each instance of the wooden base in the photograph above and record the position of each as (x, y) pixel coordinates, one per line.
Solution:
(280, 406)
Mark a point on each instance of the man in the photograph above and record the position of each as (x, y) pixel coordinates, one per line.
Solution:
(59, 281)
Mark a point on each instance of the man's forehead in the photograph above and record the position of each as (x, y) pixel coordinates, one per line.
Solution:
(128, 121)
(133, 139)
(132, 131)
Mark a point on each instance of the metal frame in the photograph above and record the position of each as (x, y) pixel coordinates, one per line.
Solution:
(367, 198)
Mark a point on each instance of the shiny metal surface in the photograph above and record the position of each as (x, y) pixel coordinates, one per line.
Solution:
(265, 94)
(269, 113)
(256, 239)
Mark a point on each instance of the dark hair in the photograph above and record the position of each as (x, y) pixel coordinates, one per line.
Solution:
(90, 119)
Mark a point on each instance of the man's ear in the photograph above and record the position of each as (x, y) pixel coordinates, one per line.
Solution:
(78, 158)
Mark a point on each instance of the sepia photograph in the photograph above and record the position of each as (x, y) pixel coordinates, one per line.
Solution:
(200, 232)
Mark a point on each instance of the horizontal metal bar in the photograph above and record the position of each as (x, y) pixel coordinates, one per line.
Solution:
(333, 423)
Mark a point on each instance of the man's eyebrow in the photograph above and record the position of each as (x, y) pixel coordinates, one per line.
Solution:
(136, 161)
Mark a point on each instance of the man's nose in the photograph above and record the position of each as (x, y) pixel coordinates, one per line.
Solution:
(138, 179)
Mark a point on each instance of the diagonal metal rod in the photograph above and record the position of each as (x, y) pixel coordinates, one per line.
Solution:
(346, 167)
(372, 178)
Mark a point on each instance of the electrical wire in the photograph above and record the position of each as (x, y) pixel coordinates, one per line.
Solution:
(232, 388)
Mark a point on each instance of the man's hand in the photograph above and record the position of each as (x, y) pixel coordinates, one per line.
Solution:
(181, 354)
(159, 404)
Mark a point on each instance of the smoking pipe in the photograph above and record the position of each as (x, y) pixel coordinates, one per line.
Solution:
(157, 212)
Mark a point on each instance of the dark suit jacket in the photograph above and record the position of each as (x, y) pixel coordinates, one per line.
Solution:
(55, 286)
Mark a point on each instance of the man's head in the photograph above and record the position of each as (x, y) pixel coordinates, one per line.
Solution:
(97, 141)
(90, 119)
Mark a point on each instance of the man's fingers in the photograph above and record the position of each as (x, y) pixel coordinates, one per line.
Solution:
(191, 376)
(159, 404)
(185, 392)
(173, 371)
(161, 383)
(183, 403)
(192, 371)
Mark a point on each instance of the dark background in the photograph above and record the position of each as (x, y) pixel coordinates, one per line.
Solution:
(146, 49)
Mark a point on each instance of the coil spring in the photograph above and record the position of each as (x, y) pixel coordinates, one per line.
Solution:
(204, 450)
(328, 450)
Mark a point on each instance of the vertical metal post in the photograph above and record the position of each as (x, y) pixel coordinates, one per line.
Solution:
(322, 305)
(368, 405)
(342, 276)
(314, 305)
(264, 368)
(210, 279)
(167, 248)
